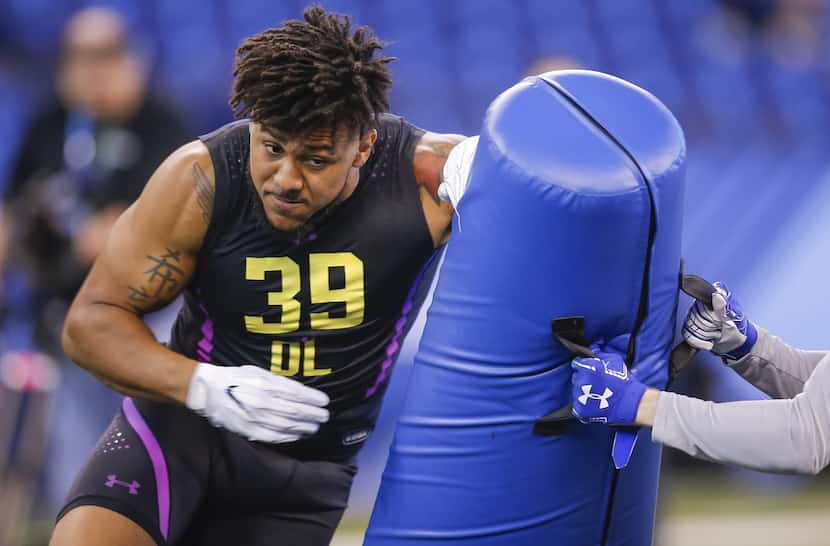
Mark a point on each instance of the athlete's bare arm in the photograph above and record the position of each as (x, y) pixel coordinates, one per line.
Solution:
(430, 155)
(148, 260)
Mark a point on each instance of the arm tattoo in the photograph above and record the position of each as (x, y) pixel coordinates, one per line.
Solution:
(443, 148)
(205, 192)
(163, 280)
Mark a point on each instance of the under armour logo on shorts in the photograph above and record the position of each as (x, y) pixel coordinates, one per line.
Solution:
(603, 398)
(112, 481)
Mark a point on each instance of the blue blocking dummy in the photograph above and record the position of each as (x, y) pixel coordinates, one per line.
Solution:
(573, 208)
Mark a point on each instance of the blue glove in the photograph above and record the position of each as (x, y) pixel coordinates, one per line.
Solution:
(721, 328)
(603, 390)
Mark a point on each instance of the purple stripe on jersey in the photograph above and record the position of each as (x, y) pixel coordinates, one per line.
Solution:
(394, 345)
(204, 348)
(156, 457)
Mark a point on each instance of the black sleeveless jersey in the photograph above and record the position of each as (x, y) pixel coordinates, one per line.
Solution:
(327, 308)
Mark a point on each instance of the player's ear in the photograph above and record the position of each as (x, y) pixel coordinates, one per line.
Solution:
(364, 149)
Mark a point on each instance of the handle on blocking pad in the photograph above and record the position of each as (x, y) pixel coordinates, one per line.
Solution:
(570, 332)
(701, 290)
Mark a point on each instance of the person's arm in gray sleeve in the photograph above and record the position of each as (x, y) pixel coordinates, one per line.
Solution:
(775, 367)
(790, 435)
(787, 436)
(759, 357)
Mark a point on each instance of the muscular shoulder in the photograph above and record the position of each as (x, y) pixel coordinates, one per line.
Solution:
(179, 197)
(431, 153)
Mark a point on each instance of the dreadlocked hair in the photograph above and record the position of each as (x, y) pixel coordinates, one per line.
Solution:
(311, 74)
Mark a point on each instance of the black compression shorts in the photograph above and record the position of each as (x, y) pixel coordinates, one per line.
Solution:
(188, 483)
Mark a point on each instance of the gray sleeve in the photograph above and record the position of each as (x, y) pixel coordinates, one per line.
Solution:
(788, 436)
(775, 367)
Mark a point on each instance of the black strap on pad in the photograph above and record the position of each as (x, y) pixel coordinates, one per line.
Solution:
(570, 332)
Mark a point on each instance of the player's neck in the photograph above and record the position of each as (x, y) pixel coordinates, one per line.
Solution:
(350, 186)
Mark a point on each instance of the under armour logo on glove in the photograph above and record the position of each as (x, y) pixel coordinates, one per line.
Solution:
(603, 398)
(606, 374)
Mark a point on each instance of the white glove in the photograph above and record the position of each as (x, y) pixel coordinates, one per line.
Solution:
(723, 328)
(256, 403)
(456, 171)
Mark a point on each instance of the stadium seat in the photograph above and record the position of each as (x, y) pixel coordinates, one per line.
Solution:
(392, 17)
(22, 17)
(197, 69)
(487, 12)
(248, 17)
(661, 81)
(630, 12)
(545, 13)
(577, 43)
(636, 44)
(688, 12)
(809, 113)
(14, 98)
(173, 17)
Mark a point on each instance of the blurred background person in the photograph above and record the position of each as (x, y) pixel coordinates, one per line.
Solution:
(84, 158)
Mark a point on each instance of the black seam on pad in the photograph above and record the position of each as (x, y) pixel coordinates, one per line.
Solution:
(644, 290)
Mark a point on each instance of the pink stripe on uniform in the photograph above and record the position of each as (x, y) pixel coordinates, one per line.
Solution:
(394, 344)
(156, 457)
(204, 348)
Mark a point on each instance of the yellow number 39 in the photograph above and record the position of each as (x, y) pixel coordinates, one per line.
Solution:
(289, 357)
(320, 266)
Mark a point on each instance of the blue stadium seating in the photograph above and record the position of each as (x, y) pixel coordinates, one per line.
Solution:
(557, 14)
(799, 94)
(35, 26)
(13, 97)
(454, 57)
(574, 42)
(250, 17)
(493, 12)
